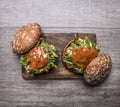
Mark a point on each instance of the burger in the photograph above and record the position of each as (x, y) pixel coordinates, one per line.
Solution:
(40, 59)
(36, 55)
(78, 53)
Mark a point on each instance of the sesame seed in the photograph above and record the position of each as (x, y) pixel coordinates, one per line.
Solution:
(18, 44)
(34, 53)
(34, 57)
(23, 35)
(44, 55)
(29, 39)
(17, 48)
(32, 31)
(33, 27)
(28, 71)
(29, 25)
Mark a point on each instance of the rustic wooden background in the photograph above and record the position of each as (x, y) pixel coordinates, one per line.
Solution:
(85, 16)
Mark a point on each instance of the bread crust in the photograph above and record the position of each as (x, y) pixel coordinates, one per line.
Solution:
(25, 38)
(98, 69)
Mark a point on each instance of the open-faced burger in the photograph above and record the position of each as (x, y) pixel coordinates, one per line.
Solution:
(37, 56)
(40, 59)
(78, 53)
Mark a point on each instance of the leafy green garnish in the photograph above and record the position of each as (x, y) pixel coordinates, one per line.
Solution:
(78, 69)
(33, 71)
(76, 37)
(23, 60)
(68, 57)
(52, 55)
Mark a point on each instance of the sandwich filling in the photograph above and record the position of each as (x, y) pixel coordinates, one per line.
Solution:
(80, 53)
(82, 56)
(40, 59)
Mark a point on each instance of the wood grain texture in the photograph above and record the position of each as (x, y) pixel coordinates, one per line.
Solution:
(59, 40)
(63, 16)
(61, 13)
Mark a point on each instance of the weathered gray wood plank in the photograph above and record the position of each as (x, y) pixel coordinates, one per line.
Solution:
(61, 13)
(15, 91)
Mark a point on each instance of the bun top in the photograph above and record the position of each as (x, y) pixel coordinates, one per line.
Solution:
(98, 69)
(25, 38)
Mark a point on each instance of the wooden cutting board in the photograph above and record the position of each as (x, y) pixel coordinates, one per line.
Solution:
(59, 40)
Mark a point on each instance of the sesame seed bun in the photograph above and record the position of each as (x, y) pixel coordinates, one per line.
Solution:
(25, 38)
(98, 69)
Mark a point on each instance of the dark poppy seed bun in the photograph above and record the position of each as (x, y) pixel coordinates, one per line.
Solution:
(25, 38)
(98, 69)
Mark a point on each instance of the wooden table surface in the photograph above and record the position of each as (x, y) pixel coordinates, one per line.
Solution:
(85, 16)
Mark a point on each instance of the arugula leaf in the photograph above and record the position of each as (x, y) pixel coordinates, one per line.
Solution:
(69, 62)
(73, 45)
(68, 56)
(38, 43)
(78, 69)
(87, 40)
(23, 60)
(76, 38)
(33, 71)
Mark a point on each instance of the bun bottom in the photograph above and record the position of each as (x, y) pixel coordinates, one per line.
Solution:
(68, 66)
